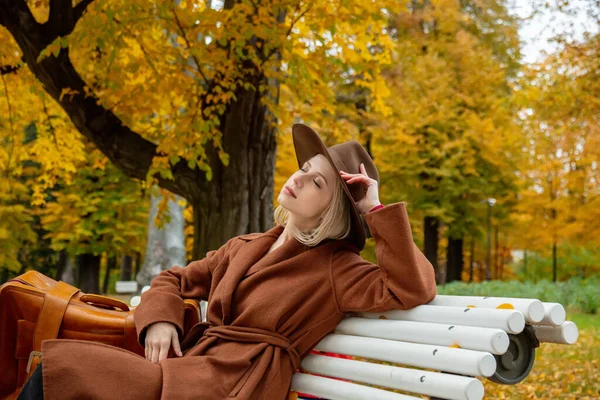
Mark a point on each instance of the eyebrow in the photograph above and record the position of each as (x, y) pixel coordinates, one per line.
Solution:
(323, 176)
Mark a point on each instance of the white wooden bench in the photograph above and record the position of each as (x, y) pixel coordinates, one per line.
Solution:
(462, 337)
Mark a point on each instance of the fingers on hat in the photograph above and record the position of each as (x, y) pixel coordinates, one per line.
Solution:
(363, 169)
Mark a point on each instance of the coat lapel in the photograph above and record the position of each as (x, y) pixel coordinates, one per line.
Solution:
(249, 259)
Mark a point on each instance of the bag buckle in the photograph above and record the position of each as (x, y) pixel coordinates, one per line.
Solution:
(31, 356)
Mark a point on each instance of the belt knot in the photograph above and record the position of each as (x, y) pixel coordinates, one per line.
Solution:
(255, 335)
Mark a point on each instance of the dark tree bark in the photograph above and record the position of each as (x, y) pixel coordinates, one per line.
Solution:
(454, 257)
(497, 254)
(111, 263)
(471, 259)
(238, 199)
(137, 257)
(502, 262)
(554, 235)
(89, 273)
(432, 225)
(60, 265)
(126, 264)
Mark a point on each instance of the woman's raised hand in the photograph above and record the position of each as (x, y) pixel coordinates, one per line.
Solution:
(159, 338)
(371, 198)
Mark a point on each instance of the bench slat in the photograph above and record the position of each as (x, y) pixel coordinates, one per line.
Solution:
(338, 390)
(554, 314)
(449, 386)
(459, 361)
(532, 309)
(490, 340)
(567, 333)
(511, 321)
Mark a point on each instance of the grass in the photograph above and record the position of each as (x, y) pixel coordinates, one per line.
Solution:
(584, 321)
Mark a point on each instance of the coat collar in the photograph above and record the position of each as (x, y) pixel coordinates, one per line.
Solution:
(273, 232)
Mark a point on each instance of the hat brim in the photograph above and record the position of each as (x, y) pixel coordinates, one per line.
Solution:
(308, 144)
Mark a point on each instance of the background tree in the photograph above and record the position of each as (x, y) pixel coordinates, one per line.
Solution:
(102, 212)
(451, 140)
(560, 116)
(121, 71)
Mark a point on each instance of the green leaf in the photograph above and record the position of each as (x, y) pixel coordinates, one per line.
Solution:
(174, 159)
(224, 157)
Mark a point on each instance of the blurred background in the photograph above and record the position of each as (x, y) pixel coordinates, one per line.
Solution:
(139, 135)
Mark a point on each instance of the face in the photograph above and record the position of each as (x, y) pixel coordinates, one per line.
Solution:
(313, 186)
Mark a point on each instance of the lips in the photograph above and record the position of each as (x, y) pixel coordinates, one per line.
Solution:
(289, 189)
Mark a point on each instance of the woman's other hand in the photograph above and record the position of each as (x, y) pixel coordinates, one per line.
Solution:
(371, 198)
(159, 338)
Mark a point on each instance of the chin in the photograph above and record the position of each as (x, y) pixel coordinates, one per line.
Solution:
(282, 202)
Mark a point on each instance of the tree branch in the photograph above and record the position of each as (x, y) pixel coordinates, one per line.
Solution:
(16, 12)
(125, 148)
(12, 127)
(61, 14)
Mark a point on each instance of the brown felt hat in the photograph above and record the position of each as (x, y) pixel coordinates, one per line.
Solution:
(345, 156)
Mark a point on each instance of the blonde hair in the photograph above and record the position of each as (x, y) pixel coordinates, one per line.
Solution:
(334, 223)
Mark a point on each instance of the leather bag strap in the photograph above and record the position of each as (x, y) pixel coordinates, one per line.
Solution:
(49, 320)
(52, 312)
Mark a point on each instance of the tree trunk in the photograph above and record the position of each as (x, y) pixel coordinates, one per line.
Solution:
(89, 273)
(454, 264)
(553, 215)
(111, 263)
(431, 242)
(471, 258)
(126, 264)
(554, 262)
(488, 259)
(60, 265)
(137, 259)
(502, 261)
(240, 197)
(497, 255)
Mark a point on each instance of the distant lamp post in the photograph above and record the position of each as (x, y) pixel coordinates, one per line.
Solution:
(490, 202)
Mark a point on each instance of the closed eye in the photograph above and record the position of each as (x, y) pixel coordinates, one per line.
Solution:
(314, 180)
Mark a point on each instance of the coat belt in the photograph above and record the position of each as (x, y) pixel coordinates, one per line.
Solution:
(255, 335)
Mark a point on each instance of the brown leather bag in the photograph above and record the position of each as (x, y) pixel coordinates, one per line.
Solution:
(34, 307)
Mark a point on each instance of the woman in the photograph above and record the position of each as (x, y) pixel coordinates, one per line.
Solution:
(271, 296)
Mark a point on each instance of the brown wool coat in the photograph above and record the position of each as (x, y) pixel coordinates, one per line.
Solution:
(266, 314)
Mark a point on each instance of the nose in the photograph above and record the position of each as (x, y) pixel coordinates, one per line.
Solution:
(297, 180)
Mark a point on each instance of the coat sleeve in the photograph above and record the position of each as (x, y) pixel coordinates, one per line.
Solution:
(404, 277)
(163, 302)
